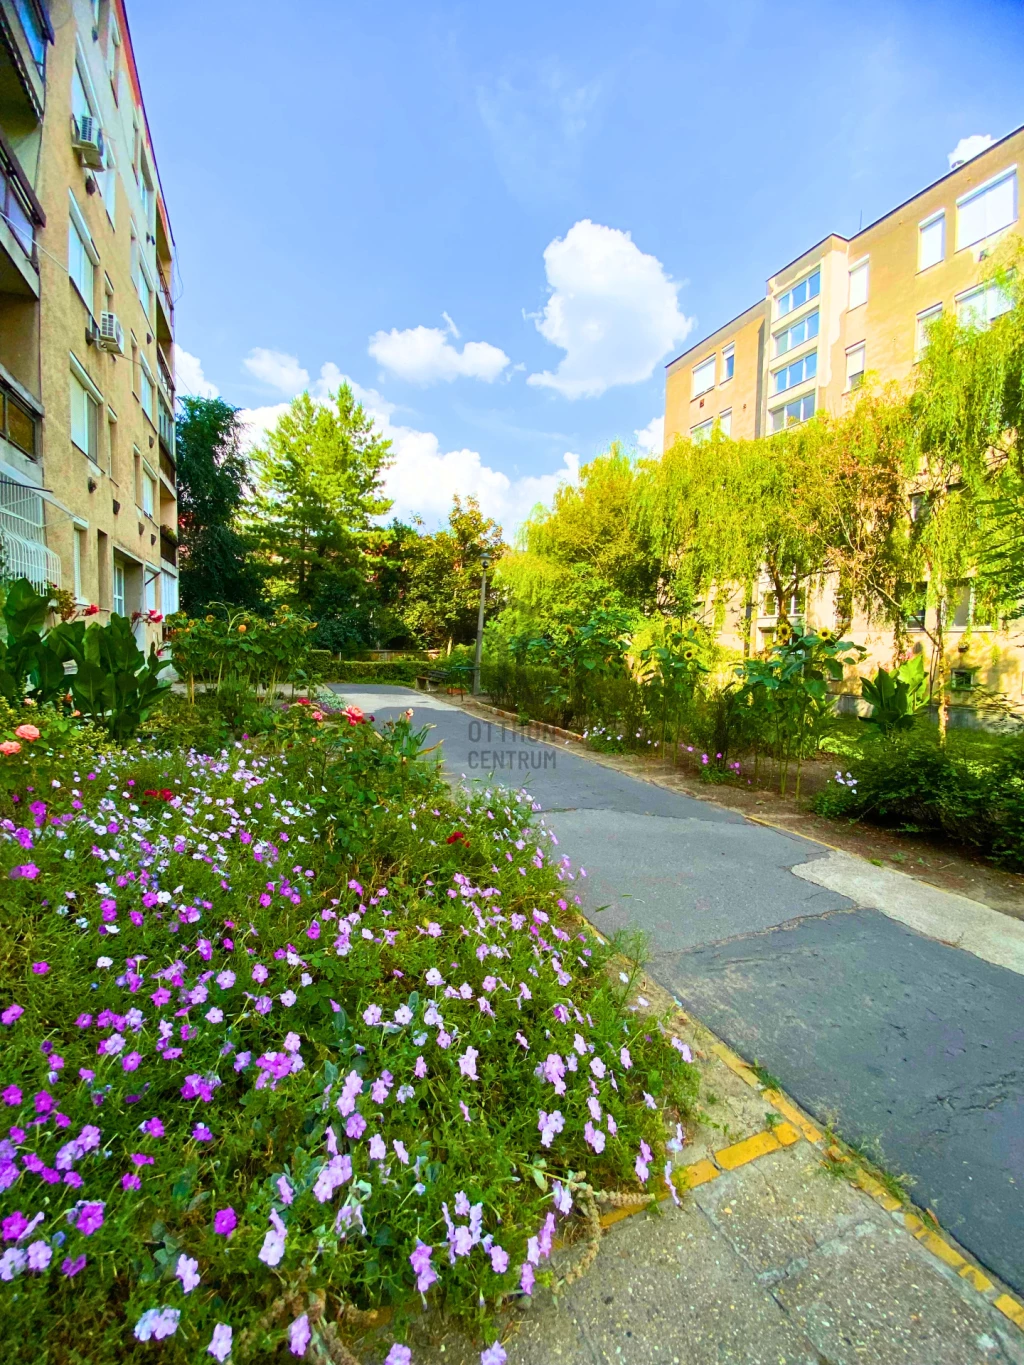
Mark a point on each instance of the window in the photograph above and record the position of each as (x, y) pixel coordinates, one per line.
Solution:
(81, 105)
(168, 593)
(108, 182)
(702, 432)
(78, 557)
(796, 297)
(704, 376)
(140, 275)
(858, 284)
(855, 366)
(791, 337)
(146, 389)
(728, 362)
(82, 256)
(112, 468)
(725, 422)
(33, 32)
(924, 324)
(17, 423)
(986, 210)
(113, 52)
(800, 410)
(146, 190)
(152, 578)
(920, 507)
(796, 605)
(800, 370)
(913, 599)
(959, 604)
(931, 241)
(119, 586)
(84, 419)
(148, 493)
(961, 679)
(137, 475)
(978, 307)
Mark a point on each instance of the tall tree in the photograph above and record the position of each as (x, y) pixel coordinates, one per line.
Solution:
(319, 477)
(443, 592)
(214, 561)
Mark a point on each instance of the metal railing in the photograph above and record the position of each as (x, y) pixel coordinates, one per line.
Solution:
(23, 549)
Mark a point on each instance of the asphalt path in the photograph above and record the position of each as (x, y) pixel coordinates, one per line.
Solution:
(910, 1046)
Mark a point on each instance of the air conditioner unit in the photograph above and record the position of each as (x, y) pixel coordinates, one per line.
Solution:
(87, 140)
(111, 333)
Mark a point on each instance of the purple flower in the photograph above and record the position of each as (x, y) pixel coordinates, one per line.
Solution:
(14, 1225)
(39, 1256)
(526, 1277)
(398, 1355)
(200, 1133)
(220, 1343)
(12, 1263)
(371, 1015)
(130, 1061)
(157, 1323)
(130, 1181)
(152, 1128)
(187, 1271)
(299, 1335)
(40, 968)
(595, 1137)
(467, 1063)
(11, 1014)
(494, 1355)
(377, 1149)
(12, 1095)
(72, 1267)
(424, 1271)
(28, 871)
(225, 1221)
(499, 1260)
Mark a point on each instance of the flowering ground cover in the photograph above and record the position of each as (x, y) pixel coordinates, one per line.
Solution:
(288, 1029)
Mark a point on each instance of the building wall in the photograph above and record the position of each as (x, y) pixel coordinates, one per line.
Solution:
(740, 396)
(900, 288)
(109, 469)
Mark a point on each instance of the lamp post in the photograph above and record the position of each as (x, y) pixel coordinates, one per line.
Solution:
(485, 564)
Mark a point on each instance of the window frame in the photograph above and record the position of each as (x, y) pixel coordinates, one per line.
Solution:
(724, 420)
(79, 228)
(979, 191)
(858, 375)
(146, 378)
(801, 403)
(80, 376)
(702, 431)
(710, 364)
(728, 363)
(986, 288)
(926, 315)
(800, 322)
(935, 219)
(800, 363)
(781, 312)
(861, 267)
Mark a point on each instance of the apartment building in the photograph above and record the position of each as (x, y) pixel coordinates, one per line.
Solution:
(843, 309)
(87, 461)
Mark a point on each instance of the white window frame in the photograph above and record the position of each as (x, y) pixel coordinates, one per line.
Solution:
(117, 587)
(707, 367)
(805, 378)
(792, 402)
(79, 531)
(169, 597)
(965, 199)
(933, 220)
(921, 322)
(150, 579)
(858, 348)
(725, 422)
(861, 267)
(150, 491)
(986, 289)
(146, 377)
(82, 378)
(728, 353)
(78, 227)
(702, 431)
(800, 322)
(780, 312)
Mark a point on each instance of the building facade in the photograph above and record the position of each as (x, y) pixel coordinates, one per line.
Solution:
(844, 309)
(87, 460)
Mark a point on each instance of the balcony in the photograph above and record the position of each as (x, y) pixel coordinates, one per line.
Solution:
(25, 30)
(165, 312)
(22, 214)
(165, 426)
(168, 545)
(167, 468)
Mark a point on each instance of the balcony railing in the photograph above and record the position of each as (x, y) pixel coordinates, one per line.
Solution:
(165, 426)
(166, 302)
(168, 548)
(167, 468)
(17, 211)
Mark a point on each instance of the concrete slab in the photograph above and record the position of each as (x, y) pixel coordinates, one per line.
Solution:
(955, 920)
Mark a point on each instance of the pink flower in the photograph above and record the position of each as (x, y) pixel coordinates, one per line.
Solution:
(424, 1271)
(526, 1277)
(467, 1063)
(29, 732)
(187, 1271)
(225, 1221)
(9, 747)
(220, 1344)
(299, 1335)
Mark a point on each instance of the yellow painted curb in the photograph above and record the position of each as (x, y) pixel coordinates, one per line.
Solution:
(778, 1101)
(736, 1064)
(877, 1191)
(1012, 1309)
(747, 1150)
(785, 1134)
(614, 1216)
(976, 1278)
(689, 1177)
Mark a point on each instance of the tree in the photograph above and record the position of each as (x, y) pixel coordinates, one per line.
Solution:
(319, 487)
(214, 563)
(442, 595)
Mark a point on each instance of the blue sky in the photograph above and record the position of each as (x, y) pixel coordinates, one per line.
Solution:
(501, 221)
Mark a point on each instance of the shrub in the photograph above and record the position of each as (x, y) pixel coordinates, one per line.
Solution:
(289, 1027)
(404, 671)
(250, 649)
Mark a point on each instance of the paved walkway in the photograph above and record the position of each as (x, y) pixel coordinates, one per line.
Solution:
(910, 1042)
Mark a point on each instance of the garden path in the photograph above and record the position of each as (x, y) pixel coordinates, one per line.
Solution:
(909, 1042)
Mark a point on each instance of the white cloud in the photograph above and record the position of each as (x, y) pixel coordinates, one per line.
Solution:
(967, 148)
(612, 310)
(189, 378)
(424, 355)
(276, 369)
(423, 479)
(651, 438)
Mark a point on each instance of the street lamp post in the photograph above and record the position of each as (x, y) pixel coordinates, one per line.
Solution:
(485, 563)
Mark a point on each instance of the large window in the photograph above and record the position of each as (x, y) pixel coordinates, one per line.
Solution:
(85, 419)
(140, 275)
(796, 297)
(704, 376)
(931, 241)
(725, 422)
(797, 334)
(855, 365)
(858, 285)
(986, 210)
(168, 593)
(791, 375)
(146, 389)
(78, 548)
(703, 431)
(728, 362)
(82, 256)
(800, 410)
(119, 586)
(148, 493)
(925, 322)
(980, 306)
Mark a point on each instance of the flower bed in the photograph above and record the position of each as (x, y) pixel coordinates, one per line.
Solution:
(289, 1031)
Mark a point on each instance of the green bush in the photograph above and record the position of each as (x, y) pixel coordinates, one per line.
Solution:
(404, 671)
(969, 791)
(287, 1027)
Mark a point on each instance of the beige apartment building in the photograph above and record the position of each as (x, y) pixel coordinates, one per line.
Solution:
(843, 309)
(87, 462)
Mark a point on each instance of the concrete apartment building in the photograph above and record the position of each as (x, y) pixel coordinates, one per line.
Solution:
(87, 464)
(844, 308)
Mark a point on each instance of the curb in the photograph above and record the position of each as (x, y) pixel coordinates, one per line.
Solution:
(796, 1126)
